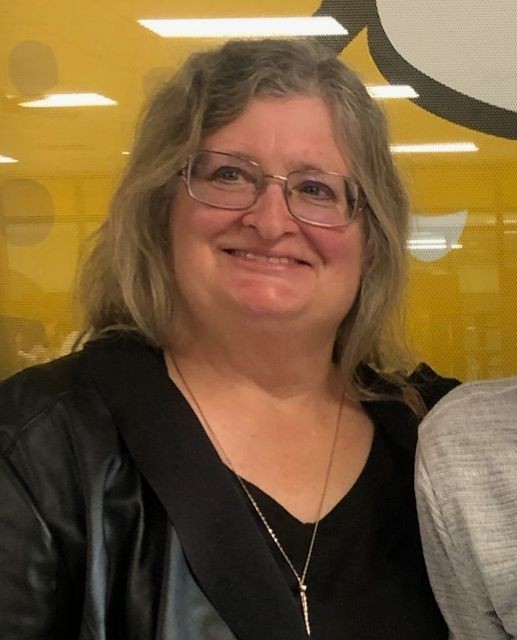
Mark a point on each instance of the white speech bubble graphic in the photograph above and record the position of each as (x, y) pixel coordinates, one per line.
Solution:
(432, 237)
(467, 45)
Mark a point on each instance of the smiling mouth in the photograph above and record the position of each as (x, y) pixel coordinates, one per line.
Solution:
(255, 257)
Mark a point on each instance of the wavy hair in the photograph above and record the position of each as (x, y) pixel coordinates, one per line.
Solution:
(126, 283)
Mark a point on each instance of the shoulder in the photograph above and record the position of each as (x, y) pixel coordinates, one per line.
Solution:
(61, 400)
(473, 410)
(401, 403)
(431, 386)
(392, 386)
(53, 427)
(473, 396)
(70, 396)
(35, 391)
(58, 436)
(468, 442)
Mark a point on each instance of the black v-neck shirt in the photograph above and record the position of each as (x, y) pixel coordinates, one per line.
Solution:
(366, 579)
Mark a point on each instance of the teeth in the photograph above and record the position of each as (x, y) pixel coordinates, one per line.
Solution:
(258, 258)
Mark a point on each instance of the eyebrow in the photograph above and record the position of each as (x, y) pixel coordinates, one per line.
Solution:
(304, 166)
(239, 154)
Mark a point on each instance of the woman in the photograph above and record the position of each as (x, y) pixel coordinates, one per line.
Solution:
(230, 456)
(466, 480)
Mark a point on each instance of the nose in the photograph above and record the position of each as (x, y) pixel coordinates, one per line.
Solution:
(270, 215)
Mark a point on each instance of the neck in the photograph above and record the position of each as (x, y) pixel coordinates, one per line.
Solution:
(282, 363)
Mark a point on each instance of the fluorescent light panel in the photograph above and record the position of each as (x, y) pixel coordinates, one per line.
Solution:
(245, 27)
(7, 160)
(427, 241)
(435, 147)
(70, 100)
(387, 91)
(433, 246)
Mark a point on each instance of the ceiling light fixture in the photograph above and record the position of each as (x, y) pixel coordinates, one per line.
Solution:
(70, 100)
(7, 160)
(387, 91)
(435, 147)
(430, 242)
(432, 246)
(245, 27)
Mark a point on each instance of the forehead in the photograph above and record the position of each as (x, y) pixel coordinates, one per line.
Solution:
(282, 133)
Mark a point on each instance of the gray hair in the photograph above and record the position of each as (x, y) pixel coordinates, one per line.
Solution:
(126, 282)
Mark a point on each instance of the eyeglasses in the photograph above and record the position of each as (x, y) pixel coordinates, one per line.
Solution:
(225, 181)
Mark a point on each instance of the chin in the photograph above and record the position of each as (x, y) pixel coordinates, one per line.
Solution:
(267, 308)
(260, 297)
(271, 311)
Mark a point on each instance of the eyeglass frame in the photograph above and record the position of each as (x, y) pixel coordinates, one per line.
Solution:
(361, 202)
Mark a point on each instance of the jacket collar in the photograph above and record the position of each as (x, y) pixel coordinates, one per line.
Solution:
(228, 555)
(392, 414)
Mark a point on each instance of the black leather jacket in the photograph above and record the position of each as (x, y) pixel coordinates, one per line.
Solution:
(117, 520)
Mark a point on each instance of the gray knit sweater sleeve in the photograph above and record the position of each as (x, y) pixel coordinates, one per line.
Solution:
(466, 485)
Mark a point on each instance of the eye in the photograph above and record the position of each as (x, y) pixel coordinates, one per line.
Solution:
(316, 190)
(229, 174)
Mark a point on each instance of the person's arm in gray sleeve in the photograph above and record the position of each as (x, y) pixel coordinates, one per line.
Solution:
(466, 485)
(453, 571)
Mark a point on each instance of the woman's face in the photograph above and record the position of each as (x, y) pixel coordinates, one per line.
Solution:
(261, 263)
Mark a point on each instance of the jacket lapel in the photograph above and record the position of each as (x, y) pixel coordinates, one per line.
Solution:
(393, 416)
(397, 421)
(226, 552)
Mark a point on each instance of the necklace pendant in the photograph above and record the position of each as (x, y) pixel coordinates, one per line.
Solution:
(305, 607)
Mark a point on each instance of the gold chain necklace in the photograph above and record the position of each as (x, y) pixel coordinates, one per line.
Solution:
(300, 578)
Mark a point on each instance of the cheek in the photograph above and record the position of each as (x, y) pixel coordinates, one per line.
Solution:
(186, 230)
(342, 249)
(182, 239)
(192, 222)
